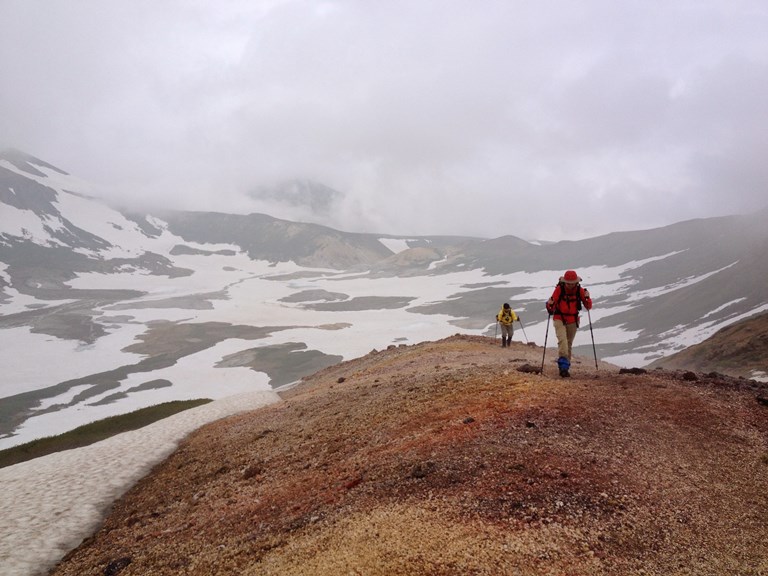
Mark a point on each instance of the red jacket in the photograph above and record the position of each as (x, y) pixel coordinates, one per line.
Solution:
(564, 302)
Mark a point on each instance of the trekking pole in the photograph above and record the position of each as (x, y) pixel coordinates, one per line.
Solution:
(523, 327)
(549, 317)
(594, 350)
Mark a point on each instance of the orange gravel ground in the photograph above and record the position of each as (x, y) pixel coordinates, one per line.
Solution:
(443, 459)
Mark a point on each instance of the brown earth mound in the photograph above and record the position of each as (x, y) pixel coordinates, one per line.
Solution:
(740, 349)
(444, 459)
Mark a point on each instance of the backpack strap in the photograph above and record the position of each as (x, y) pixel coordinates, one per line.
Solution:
(560, 297)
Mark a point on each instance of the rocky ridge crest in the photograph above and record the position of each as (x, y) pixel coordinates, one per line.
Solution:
(444, 458)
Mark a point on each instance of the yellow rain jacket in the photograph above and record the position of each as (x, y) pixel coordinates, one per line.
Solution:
(506, 316)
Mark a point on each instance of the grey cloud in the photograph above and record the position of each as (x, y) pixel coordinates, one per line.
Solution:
(552, 119)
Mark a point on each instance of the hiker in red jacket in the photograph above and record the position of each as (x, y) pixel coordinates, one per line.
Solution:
(564, 305)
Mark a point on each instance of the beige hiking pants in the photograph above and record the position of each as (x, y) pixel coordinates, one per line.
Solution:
(565, 335)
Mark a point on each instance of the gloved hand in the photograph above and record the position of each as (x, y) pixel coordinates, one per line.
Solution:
(586, 293)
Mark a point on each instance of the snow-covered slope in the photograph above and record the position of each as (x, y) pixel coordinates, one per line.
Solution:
(104, 312)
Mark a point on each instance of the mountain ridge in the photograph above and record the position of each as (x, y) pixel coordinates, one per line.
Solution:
(450, 457)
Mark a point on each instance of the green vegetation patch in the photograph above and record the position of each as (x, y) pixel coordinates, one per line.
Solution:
(95, 431)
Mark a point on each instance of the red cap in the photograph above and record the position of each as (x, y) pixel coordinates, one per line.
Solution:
(571, 276)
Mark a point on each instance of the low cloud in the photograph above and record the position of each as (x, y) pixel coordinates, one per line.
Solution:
(543, 120)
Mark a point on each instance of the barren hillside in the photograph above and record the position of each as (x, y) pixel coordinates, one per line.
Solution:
(442, 458)
(740, 349)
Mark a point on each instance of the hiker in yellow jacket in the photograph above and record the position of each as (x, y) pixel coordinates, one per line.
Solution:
(505, 318)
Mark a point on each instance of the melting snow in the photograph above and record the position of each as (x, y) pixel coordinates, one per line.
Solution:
(760, 376)
(32, 361)
(24, 224)
(51, 503)
(723, 307)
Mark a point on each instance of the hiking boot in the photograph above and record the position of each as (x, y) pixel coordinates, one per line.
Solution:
(565, 373)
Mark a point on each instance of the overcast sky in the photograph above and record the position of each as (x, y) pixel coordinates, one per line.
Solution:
(550, 119)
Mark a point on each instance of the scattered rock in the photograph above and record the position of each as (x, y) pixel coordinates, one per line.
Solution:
(635, 371)
(762, 400)
(253, 470)
(530, 424)
(341, 379)
(421, 470)
(690, 376)
(468, 420)
(117, 566)
(529, 368)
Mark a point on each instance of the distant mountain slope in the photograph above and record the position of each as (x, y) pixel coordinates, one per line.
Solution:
(443, 458)
(672, 284)
(263, 237)
(740, 349)
(82, 284)
(50, 232)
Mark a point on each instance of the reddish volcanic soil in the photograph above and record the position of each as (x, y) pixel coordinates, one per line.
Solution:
(444, 459)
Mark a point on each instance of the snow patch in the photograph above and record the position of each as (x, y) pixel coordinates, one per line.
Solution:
(51, 503)
(396, 245)
(759, 376)
(690, 281)
(723, 307)
(23, 224)
(22, 351)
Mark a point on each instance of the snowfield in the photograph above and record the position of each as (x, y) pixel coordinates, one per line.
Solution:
(51, 503)
(238, 291)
